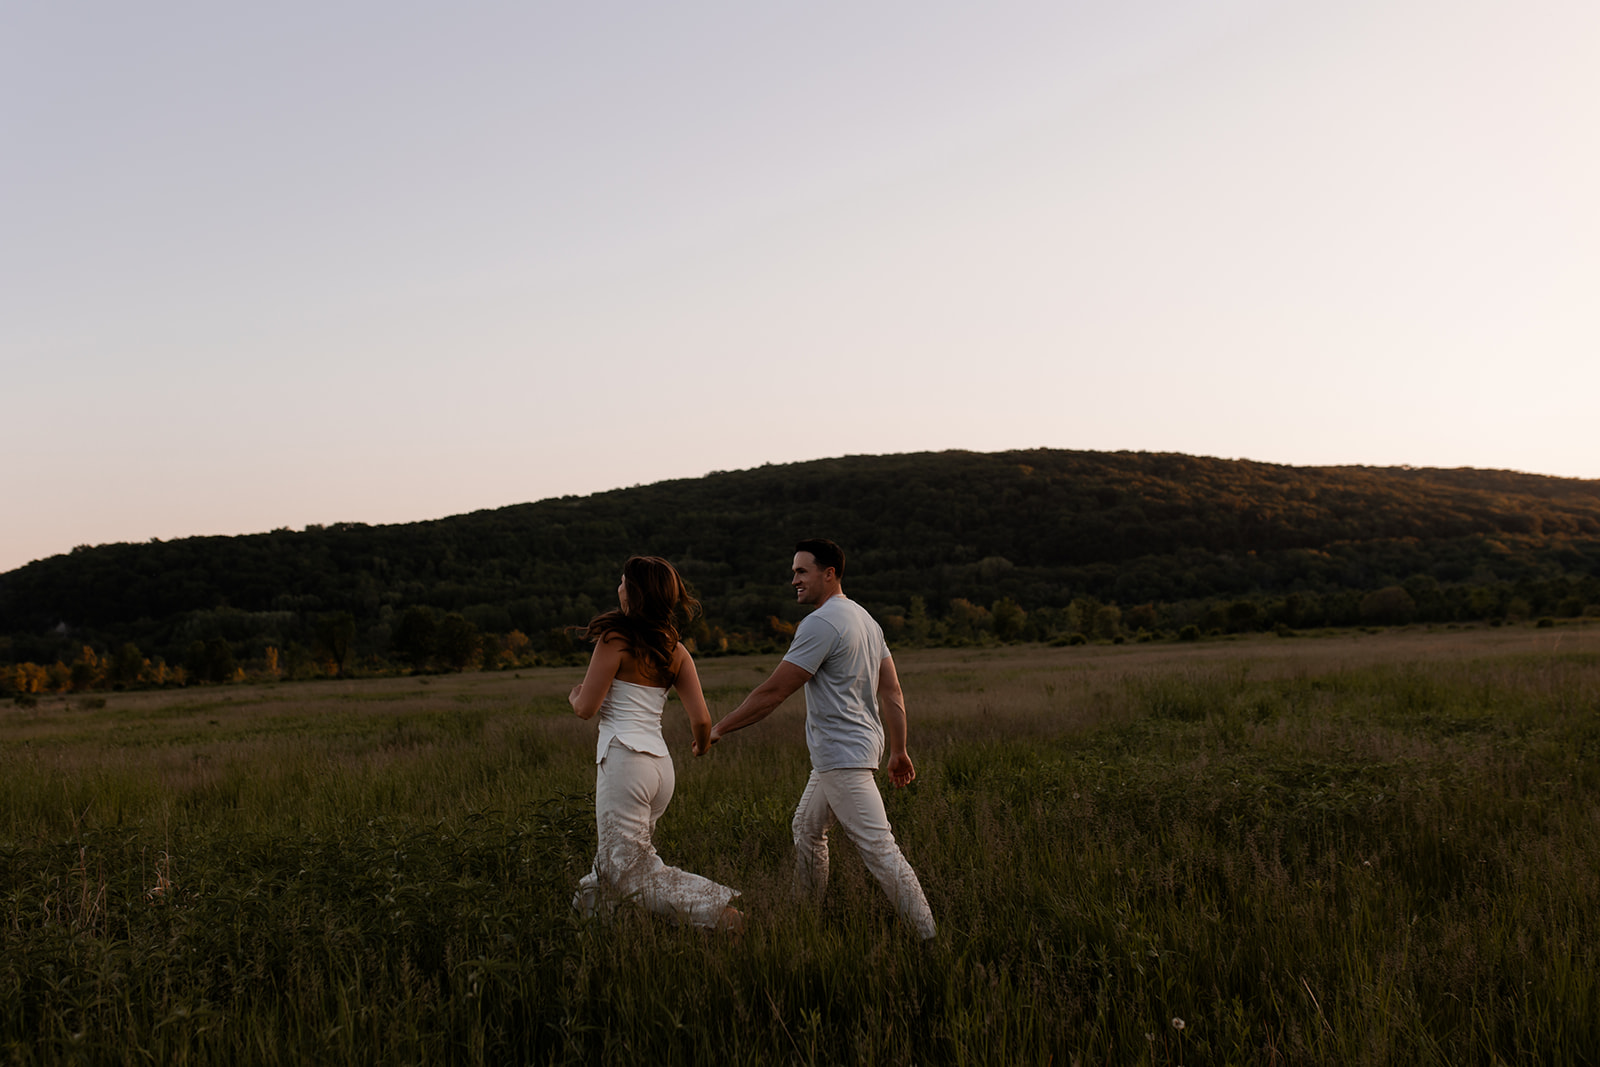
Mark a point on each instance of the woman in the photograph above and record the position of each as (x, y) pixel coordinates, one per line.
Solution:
(637, 657)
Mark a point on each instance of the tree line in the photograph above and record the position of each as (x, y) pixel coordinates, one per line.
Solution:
(944, 547)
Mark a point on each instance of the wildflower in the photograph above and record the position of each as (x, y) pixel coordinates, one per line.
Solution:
(1177, 1023)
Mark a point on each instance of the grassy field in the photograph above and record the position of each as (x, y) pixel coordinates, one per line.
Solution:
(1348, 849)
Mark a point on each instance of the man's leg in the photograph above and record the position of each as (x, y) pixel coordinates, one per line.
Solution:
(812, 819)
(853, 798)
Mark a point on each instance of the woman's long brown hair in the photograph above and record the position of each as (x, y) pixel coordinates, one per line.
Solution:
(657, 596)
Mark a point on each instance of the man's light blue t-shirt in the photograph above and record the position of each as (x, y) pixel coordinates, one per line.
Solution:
(841, 646)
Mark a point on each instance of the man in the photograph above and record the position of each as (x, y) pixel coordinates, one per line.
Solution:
(853, 700)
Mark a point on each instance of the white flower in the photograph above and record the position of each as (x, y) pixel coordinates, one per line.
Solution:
(1177, 1023)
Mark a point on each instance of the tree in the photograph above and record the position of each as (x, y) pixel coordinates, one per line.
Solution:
(1009, 619)
(415, 635)
(965, 620)
(518, 646)
(918, 625)
(210, 660)
(1389, 606)
(85, 669)
(1243, 615)
(127, 666)
(1140, 617)
(1107, 622)
(336, 632)
(456, 641)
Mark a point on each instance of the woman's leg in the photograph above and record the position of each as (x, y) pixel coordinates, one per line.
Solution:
(624, 807)
(635, 794)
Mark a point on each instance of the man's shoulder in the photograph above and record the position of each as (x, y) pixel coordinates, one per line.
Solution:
(839, 610)
(818, 616)
(845, 615)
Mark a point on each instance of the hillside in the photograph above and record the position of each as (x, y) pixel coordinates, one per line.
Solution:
(1046, 529)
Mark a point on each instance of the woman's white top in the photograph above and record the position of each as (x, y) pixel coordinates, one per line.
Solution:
(631, 713)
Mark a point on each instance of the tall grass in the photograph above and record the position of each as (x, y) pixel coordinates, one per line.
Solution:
(1344, 850)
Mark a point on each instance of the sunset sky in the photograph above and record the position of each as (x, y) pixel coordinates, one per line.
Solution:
(274, 264)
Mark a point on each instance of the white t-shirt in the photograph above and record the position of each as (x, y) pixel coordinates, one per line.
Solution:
(842, 647)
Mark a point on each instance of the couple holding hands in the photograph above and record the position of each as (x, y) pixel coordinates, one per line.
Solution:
(853, 705)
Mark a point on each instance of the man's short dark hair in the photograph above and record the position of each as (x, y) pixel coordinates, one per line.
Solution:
(825, 552)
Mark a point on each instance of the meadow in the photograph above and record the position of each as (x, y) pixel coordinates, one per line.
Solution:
(1354, 848)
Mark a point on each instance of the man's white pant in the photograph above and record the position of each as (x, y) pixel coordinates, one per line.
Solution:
(850, 796)
(631, 790)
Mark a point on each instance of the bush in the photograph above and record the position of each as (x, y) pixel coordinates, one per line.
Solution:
(1190, 632)
(1545, 622)
(1389, 606)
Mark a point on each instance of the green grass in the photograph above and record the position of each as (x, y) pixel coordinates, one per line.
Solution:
(1343, 850)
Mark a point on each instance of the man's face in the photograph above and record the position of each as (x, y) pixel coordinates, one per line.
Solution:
(810, 581)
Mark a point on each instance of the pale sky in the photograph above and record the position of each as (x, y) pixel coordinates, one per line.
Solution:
(265, 265)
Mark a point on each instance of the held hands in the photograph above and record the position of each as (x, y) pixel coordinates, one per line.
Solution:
(701, 747)
(901, 770)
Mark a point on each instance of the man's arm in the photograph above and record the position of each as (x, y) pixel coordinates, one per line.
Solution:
(763, 700)
(892, 709)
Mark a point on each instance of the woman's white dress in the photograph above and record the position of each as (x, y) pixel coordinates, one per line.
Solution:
(634, 780)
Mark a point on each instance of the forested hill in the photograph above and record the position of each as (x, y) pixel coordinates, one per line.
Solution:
(1042, 529)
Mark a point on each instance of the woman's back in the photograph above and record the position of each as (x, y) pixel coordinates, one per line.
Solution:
(631, 713)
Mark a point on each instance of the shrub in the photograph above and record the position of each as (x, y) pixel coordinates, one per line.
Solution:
(1190, 632)
(1389, 606)
(1545, 622)
(1243, 615)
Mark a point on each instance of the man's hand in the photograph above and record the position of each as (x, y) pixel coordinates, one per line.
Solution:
(901, 770)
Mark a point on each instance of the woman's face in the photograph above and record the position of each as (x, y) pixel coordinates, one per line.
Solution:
(622, 593)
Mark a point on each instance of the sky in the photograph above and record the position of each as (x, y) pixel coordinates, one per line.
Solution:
(267, 265)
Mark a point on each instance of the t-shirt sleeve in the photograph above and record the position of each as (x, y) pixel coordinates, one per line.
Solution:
(813, 639)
